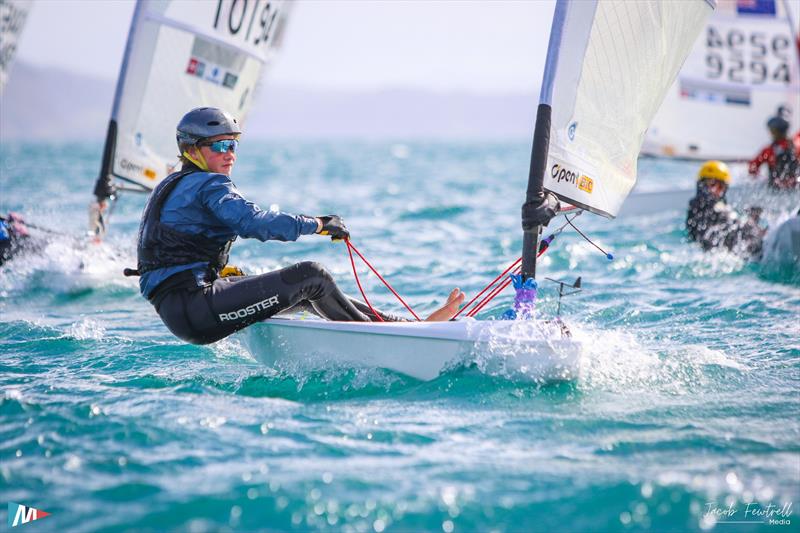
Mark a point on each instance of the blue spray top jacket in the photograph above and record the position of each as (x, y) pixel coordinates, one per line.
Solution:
(208, 207)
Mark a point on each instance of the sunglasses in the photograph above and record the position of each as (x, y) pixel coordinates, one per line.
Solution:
(221, 147)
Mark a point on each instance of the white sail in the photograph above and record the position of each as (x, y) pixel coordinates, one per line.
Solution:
(13, 14)
(743, 67)
(609, 65)
(182, 55)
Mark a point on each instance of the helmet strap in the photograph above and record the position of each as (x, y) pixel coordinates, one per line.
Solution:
(200, 162)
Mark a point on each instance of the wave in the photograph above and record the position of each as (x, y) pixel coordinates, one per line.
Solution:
(69, 267)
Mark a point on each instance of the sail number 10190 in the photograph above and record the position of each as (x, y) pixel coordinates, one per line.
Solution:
(249, 20)
(754, 57)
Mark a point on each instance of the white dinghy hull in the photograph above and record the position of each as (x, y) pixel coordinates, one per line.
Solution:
(421, 350)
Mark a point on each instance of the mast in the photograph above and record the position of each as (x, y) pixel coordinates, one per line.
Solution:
(539, 206)
(104, 187)
(532, 221)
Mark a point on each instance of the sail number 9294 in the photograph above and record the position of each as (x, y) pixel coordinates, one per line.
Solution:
(737, 56)
(249, 20)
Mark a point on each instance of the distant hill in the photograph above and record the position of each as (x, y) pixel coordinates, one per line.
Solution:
(50, 104)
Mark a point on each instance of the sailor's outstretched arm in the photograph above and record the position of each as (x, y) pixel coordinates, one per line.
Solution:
(757, 161)
(248, 220)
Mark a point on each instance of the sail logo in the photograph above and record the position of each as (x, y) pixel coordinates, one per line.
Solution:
(135, 168)
(560, 173)
(755, 7)
(571, 131)
(21, 514)
(586, 184)
(230, 80)
(130, 166)
(210, 72)
(214, 74)
(193, 65)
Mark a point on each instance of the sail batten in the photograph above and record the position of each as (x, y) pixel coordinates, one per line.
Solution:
(194, 30)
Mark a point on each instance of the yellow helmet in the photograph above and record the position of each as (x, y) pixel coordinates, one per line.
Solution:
(715, 170)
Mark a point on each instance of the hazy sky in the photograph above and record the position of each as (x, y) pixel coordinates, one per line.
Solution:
(470, 45)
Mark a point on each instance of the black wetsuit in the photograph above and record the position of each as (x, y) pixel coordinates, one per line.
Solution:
(712, 223)
(205, 314)
(195, 303)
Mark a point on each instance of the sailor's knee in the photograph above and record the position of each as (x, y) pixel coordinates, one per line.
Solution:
(316, 269)
(305, 271)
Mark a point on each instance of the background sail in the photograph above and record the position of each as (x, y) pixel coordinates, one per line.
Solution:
(609, 66)
(13, 14)
(742, 68)
(182, 55)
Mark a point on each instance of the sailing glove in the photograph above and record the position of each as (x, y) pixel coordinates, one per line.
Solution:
(539, 213)
(334, 226)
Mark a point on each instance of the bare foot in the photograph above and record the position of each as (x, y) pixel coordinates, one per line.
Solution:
(449, 309)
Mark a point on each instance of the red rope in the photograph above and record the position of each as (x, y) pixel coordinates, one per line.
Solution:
(489, 297)
(358, 282)
(475, 310)
(506, 271)
(354, 249)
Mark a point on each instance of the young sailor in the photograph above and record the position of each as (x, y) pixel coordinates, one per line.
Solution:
(712, 223)
(187, 228)
(782, 157)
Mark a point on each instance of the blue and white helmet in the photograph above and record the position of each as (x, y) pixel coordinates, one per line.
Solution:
(204, 122)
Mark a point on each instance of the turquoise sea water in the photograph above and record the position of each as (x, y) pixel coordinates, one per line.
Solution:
(688, 399)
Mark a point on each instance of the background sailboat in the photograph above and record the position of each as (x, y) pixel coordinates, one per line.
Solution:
(180, 55)
(13, 14)
(743, 68)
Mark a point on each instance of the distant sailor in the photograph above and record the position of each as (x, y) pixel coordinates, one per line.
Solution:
(14, 236)
(714, 224)
(188, 226)
(782, 156)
